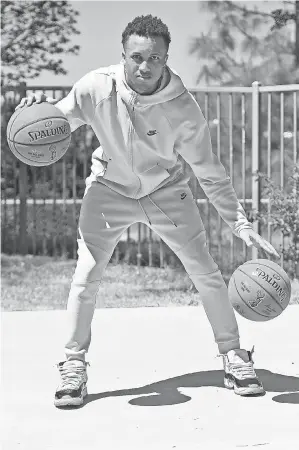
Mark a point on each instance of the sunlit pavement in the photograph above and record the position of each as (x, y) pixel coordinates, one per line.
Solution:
(155, 382)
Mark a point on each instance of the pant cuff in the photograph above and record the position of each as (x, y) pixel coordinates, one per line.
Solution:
(225, 347)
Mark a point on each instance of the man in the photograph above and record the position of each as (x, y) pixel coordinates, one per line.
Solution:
(148, 123)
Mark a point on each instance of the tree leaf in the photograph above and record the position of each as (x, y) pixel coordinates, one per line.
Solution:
(33, 32)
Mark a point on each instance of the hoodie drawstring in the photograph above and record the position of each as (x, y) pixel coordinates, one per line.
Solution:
(144, 212)
(158, 209)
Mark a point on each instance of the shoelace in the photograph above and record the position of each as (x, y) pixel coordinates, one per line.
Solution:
(243, 371)
(71, 376)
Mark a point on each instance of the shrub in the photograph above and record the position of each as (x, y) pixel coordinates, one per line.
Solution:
(283, 215)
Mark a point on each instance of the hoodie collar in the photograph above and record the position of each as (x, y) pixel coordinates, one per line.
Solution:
(171, 87)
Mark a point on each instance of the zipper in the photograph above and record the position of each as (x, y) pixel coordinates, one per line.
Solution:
(131, 130)
(130, 140)
(161, 210)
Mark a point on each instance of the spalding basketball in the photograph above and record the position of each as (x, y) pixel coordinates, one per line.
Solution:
(259, 290)
(38, 135)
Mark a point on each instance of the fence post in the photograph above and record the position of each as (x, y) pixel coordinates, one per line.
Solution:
(255, 184)
(23, 189)
(139, 254)
(150, 248)
(161, 254)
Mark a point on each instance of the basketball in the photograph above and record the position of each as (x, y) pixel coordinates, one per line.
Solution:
(259, 290)
(38, 135)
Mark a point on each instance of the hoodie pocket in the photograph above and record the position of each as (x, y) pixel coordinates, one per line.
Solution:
(119, 174)
(152, 177)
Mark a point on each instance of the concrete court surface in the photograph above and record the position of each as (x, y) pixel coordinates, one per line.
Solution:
(155, 382)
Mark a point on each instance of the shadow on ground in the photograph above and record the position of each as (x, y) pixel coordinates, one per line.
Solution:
(167, 392)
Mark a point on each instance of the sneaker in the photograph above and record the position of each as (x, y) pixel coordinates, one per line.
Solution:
(240, 374)
(72, 389)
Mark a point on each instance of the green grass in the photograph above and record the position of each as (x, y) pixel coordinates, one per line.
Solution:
(40, 283)
(32, 283)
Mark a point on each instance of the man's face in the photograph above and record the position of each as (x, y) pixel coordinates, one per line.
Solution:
(144, 62)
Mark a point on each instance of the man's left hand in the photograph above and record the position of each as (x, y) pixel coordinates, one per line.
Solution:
(251, 238)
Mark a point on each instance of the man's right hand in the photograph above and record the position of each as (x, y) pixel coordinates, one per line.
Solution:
(35, 98)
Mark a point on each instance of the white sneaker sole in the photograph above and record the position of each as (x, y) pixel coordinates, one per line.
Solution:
(69, 401)
(229, 384)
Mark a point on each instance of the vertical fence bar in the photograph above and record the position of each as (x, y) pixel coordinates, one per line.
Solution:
(208, 205)
(16, 212)
(4, 196)
(139, 255)
(269, 132)
(4, 223)
(243, 138)
(85, 165)
(161, 253)
(150, 248)
(16, 219)
(56, 223)
(282, 156)
(44, 207)
(34, 215)
(7, 208)
(23, 188)
(295, 136)
(128, 247)
(116, 254)
(64, 206)
(231, 166)
(44, 222)
(129, 234)
(295, 132)
(255, 157)
(219, 227)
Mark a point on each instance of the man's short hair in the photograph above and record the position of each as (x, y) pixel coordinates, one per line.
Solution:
(146, 26)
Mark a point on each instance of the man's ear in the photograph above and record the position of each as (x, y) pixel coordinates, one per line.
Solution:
(166, 58)
(123, 58)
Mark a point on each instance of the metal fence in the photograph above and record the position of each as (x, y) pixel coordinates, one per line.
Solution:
(252, 129)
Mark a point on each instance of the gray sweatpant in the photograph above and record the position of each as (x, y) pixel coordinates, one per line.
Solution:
(172, 213)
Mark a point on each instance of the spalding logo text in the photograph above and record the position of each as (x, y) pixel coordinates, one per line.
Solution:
(270, 279)
(36, 135)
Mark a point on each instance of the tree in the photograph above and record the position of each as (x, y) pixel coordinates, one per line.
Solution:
(243, 43)
(33, 34)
